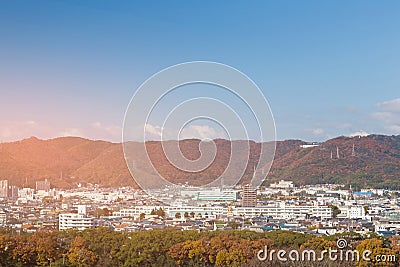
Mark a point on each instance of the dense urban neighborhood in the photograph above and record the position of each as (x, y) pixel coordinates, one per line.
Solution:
(94, 226)
(319, 209)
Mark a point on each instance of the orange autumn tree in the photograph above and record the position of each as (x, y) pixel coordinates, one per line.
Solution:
(80, 255)
(222, 250)
(375, 246)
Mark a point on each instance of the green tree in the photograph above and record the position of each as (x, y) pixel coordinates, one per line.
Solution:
(161, 212)
(335, 210)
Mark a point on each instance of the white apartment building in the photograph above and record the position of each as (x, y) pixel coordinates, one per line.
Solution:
(282, 184)
(352, 212)
(78, 220)
(281, 211)
(387, 225)
(286, 212)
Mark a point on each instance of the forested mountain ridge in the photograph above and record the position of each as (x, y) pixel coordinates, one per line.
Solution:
(372, 160)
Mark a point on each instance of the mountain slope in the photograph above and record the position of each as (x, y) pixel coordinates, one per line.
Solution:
(374, 162)
(71, 160)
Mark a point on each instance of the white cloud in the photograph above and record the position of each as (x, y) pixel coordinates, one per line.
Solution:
(391, 105)
(153, 132)
(201, 132)
(394, 129)
(17, 130)
(389, 115)
(318, 131)
(105, 132)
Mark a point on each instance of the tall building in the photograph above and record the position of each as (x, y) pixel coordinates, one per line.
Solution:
(13, 192)
(43, 185)
(249, 196)
(3, 188)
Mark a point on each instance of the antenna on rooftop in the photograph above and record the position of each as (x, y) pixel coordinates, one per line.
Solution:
(337, 153)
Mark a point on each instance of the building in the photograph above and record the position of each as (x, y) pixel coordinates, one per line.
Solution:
(309, 145)
(3, 188)
(43, 185)
(80, 220)
(216, 195)
(13, 192)
(352, 212)
(282, 184)
(278, 211)
(3, 218)
(249, 196)
(388, 224)
(286, 212)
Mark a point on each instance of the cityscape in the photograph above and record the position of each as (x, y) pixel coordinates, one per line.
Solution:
(324, 209)
(199, 133)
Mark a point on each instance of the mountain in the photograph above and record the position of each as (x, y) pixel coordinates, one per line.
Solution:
(68, 161)
(374, 162)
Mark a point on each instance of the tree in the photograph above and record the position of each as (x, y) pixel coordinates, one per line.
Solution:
(178, 215)
(186, 214)
(161, 212)
(7, 244)
(142, 216)
(24, 252)
(366, 209)
(223, 249)
(80, 255)
(192, 214)
(335, 210)
(395, 244)
(318, 243)
(284, 238)
(375, 246)
(233, 225)
(45, 243)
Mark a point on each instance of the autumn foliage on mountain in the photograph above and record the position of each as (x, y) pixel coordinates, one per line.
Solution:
(361, 161)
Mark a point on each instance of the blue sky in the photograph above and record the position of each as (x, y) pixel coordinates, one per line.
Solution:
(327, 68)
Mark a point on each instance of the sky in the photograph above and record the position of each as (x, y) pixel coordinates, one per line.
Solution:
(327, 68)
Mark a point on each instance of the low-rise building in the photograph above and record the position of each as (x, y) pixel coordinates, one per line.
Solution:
(80, 220)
